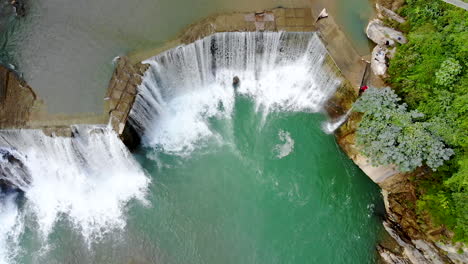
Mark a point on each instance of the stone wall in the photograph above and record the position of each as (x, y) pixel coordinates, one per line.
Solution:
(122, 91)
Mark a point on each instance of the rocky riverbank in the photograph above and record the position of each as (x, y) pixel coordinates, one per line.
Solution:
(416, 241)
(21, 108)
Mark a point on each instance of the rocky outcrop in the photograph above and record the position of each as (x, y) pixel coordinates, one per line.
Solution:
(378, 60)
(383, 35)
(21, 108)
(385, 38)
(458, 253)
(17, 100)
(414, 243)
(384, 12)
(391, 4)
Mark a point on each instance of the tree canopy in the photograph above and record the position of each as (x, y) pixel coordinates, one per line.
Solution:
(390, 134)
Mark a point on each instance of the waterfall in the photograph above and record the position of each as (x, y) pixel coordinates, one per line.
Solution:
(86, 179)
(330, 126)
(185, 86)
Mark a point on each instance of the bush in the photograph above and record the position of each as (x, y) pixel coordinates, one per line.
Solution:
(430, 74)
(390, 134)
(447, 74)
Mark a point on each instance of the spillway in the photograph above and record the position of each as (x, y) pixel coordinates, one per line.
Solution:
(280, 71)
(86, 179)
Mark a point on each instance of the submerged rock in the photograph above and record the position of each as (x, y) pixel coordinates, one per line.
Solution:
(382, 35)
(235, 82)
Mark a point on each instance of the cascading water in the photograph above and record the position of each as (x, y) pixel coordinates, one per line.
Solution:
(241, 174)
(330, 126)
(184, 86)
(244, 172)
(86, 180)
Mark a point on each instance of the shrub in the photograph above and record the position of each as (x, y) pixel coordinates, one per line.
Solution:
(390, 134)
(447, 74)
(430, 74)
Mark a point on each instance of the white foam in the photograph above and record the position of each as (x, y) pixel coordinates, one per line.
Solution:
(11, 227)
(88, 179)
(183, 86)
(330, 126)
(183, 122)
(283, 150)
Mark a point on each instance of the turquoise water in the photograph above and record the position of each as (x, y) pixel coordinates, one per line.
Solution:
(239, 199)
(262, 189)
(231, 182)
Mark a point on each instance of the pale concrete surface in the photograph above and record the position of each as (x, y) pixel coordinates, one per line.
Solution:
(279, 19)
(341, 50)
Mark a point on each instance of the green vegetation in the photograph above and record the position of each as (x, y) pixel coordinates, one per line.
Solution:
(430, 74)
(390, 134)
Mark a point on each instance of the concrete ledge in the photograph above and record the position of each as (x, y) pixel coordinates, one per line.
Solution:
(280, 19)
(122, 92)
(21, 108)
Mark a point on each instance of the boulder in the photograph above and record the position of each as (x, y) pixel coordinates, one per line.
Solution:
(385, 12)
(382, 35)
(378, 61)
(17, 99)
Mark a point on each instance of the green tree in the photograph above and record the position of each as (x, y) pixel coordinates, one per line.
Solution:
(447, 74)
(390, 134)
(430, 74)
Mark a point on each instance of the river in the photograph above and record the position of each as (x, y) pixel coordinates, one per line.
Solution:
(224, 174)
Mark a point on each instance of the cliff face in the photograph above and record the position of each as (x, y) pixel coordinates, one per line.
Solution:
(416, 237)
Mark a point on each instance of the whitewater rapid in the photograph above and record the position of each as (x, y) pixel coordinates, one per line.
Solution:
(186, 86)
(85, 180)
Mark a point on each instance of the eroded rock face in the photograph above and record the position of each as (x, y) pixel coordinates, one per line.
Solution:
(409, 242)
(453, 252)
(385, 38)
(16, 100)
(382, 35)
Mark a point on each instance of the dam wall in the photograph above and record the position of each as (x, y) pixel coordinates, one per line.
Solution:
(20, 107)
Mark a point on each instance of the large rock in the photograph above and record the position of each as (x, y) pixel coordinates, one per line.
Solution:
(385, 12)
(382, 35)
(378, 61)
(16, 100)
